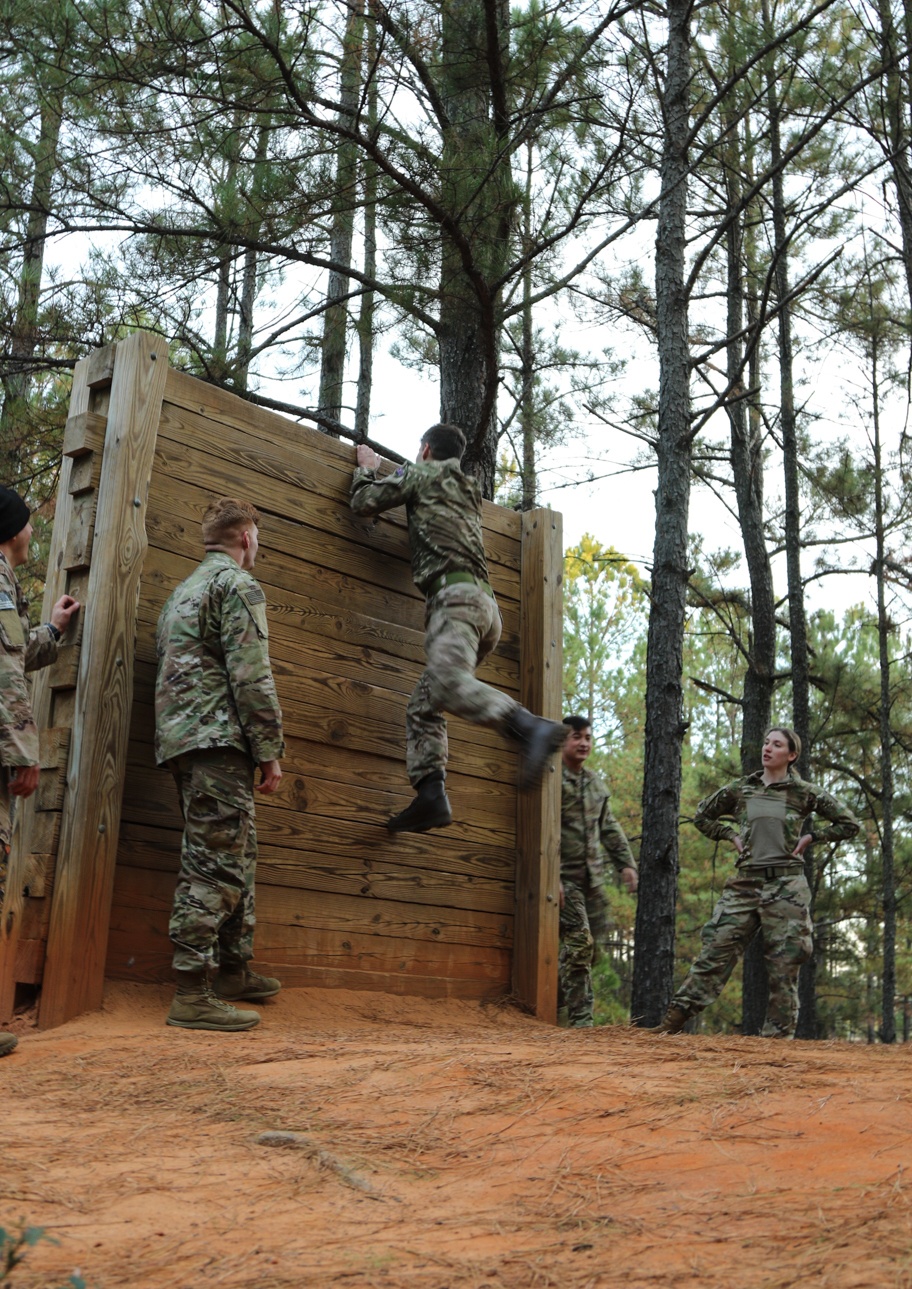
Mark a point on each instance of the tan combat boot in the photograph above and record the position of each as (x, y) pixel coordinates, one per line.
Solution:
(673, 1021)
(240, 984)
(195, 1006)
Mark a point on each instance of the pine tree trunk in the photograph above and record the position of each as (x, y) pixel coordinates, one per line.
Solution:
(527, 364)
(335, 319)
(365, 324)
(477, 190)
(747, 471)
(23, 336)
(888, 979)
(654, 959)
(249, 273)
(897, 105)
(807, 989)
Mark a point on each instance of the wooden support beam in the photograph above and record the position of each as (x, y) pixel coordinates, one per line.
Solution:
(535, 943)
(84, 879)
(33, 834)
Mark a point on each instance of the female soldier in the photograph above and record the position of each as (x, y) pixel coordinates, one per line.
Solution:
(765, 817)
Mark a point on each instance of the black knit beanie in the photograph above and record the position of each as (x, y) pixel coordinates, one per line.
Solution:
(14, 514)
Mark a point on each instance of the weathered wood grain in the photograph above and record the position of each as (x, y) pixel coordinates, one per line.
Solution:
(538, 812)
(74, 974)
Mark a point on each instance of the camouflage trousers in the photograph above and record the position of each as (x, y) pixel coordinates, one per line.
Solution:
(780, 906)
(213, 915)
(462, 627)
(583, 928)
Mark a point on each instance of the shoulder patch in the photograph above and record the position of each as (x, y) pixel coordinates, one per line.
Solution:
(6, 601)
(252, 594)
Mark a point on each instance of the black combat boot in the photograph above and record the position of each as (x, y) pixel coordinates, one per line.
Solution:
(539, 739)
(430, 809)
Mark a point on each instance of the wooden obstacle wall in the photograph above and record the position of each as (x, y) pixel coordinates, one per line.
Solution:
(469, 911)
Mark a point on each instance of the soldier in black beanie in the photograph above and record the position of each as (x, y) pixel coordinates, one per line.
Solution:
(22, 649)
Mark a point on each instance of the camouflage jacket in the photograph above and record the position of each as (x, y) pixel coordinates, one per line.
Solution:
(770, 818)
(444, 515)
(214, 686)
(22, 649)
(589, 829)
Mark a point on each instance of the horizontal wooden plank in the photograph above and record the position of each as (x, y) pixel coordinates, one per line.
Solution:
(83, 433)
(85, 473)
(146, 930)
(395, 663)
(302, 870)
(355, 703)
(51, 788)
(325, 603)
(46, 833)
(318, 534)
(54, 746)
(64, 671)
(284, 906)
(473, 751)
(287, 483)
(100, 369)
(293, 587)
(77, 552)
(231, 412)
(29, 962)
(320, 778)
(295, 840)
(38, 875)
(126, 961)
(313, 800)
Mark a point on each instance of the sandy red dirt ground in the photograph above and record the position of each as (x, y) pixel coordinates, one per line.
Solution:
(450, 1146)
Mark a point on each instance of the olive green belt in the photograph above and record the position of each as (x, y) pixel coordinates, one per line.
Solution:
(774, 870)
(456, 579)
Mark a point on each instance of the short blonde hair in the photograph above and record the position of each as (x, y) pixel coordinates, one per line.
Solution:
(226, 519)
(791, 737)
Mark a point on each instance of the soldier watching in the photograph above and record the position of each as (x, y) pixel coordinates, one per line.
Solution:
(22, 649)
(216, 718)
(462, 621)
(764, 816)
(588, 831)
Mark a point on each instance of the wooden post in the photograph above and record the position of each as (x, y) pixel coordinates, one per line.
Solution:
(81, 906)
(24, 840)
(535, 942)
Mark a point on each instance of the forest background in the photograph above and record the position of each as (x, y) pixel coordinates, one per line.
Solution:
(668, 239)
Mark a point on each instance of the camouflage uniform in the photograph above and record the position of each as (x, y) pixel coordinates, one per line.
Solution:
(588, 830)
(462, 621)
(768, 889)
(216, 717)
(21, 649)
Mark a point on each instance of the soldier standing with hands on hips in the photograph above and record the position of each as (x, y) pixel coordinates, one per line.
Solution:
(462, 621)
(22, 649)
(217, 718)
(766, 818)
